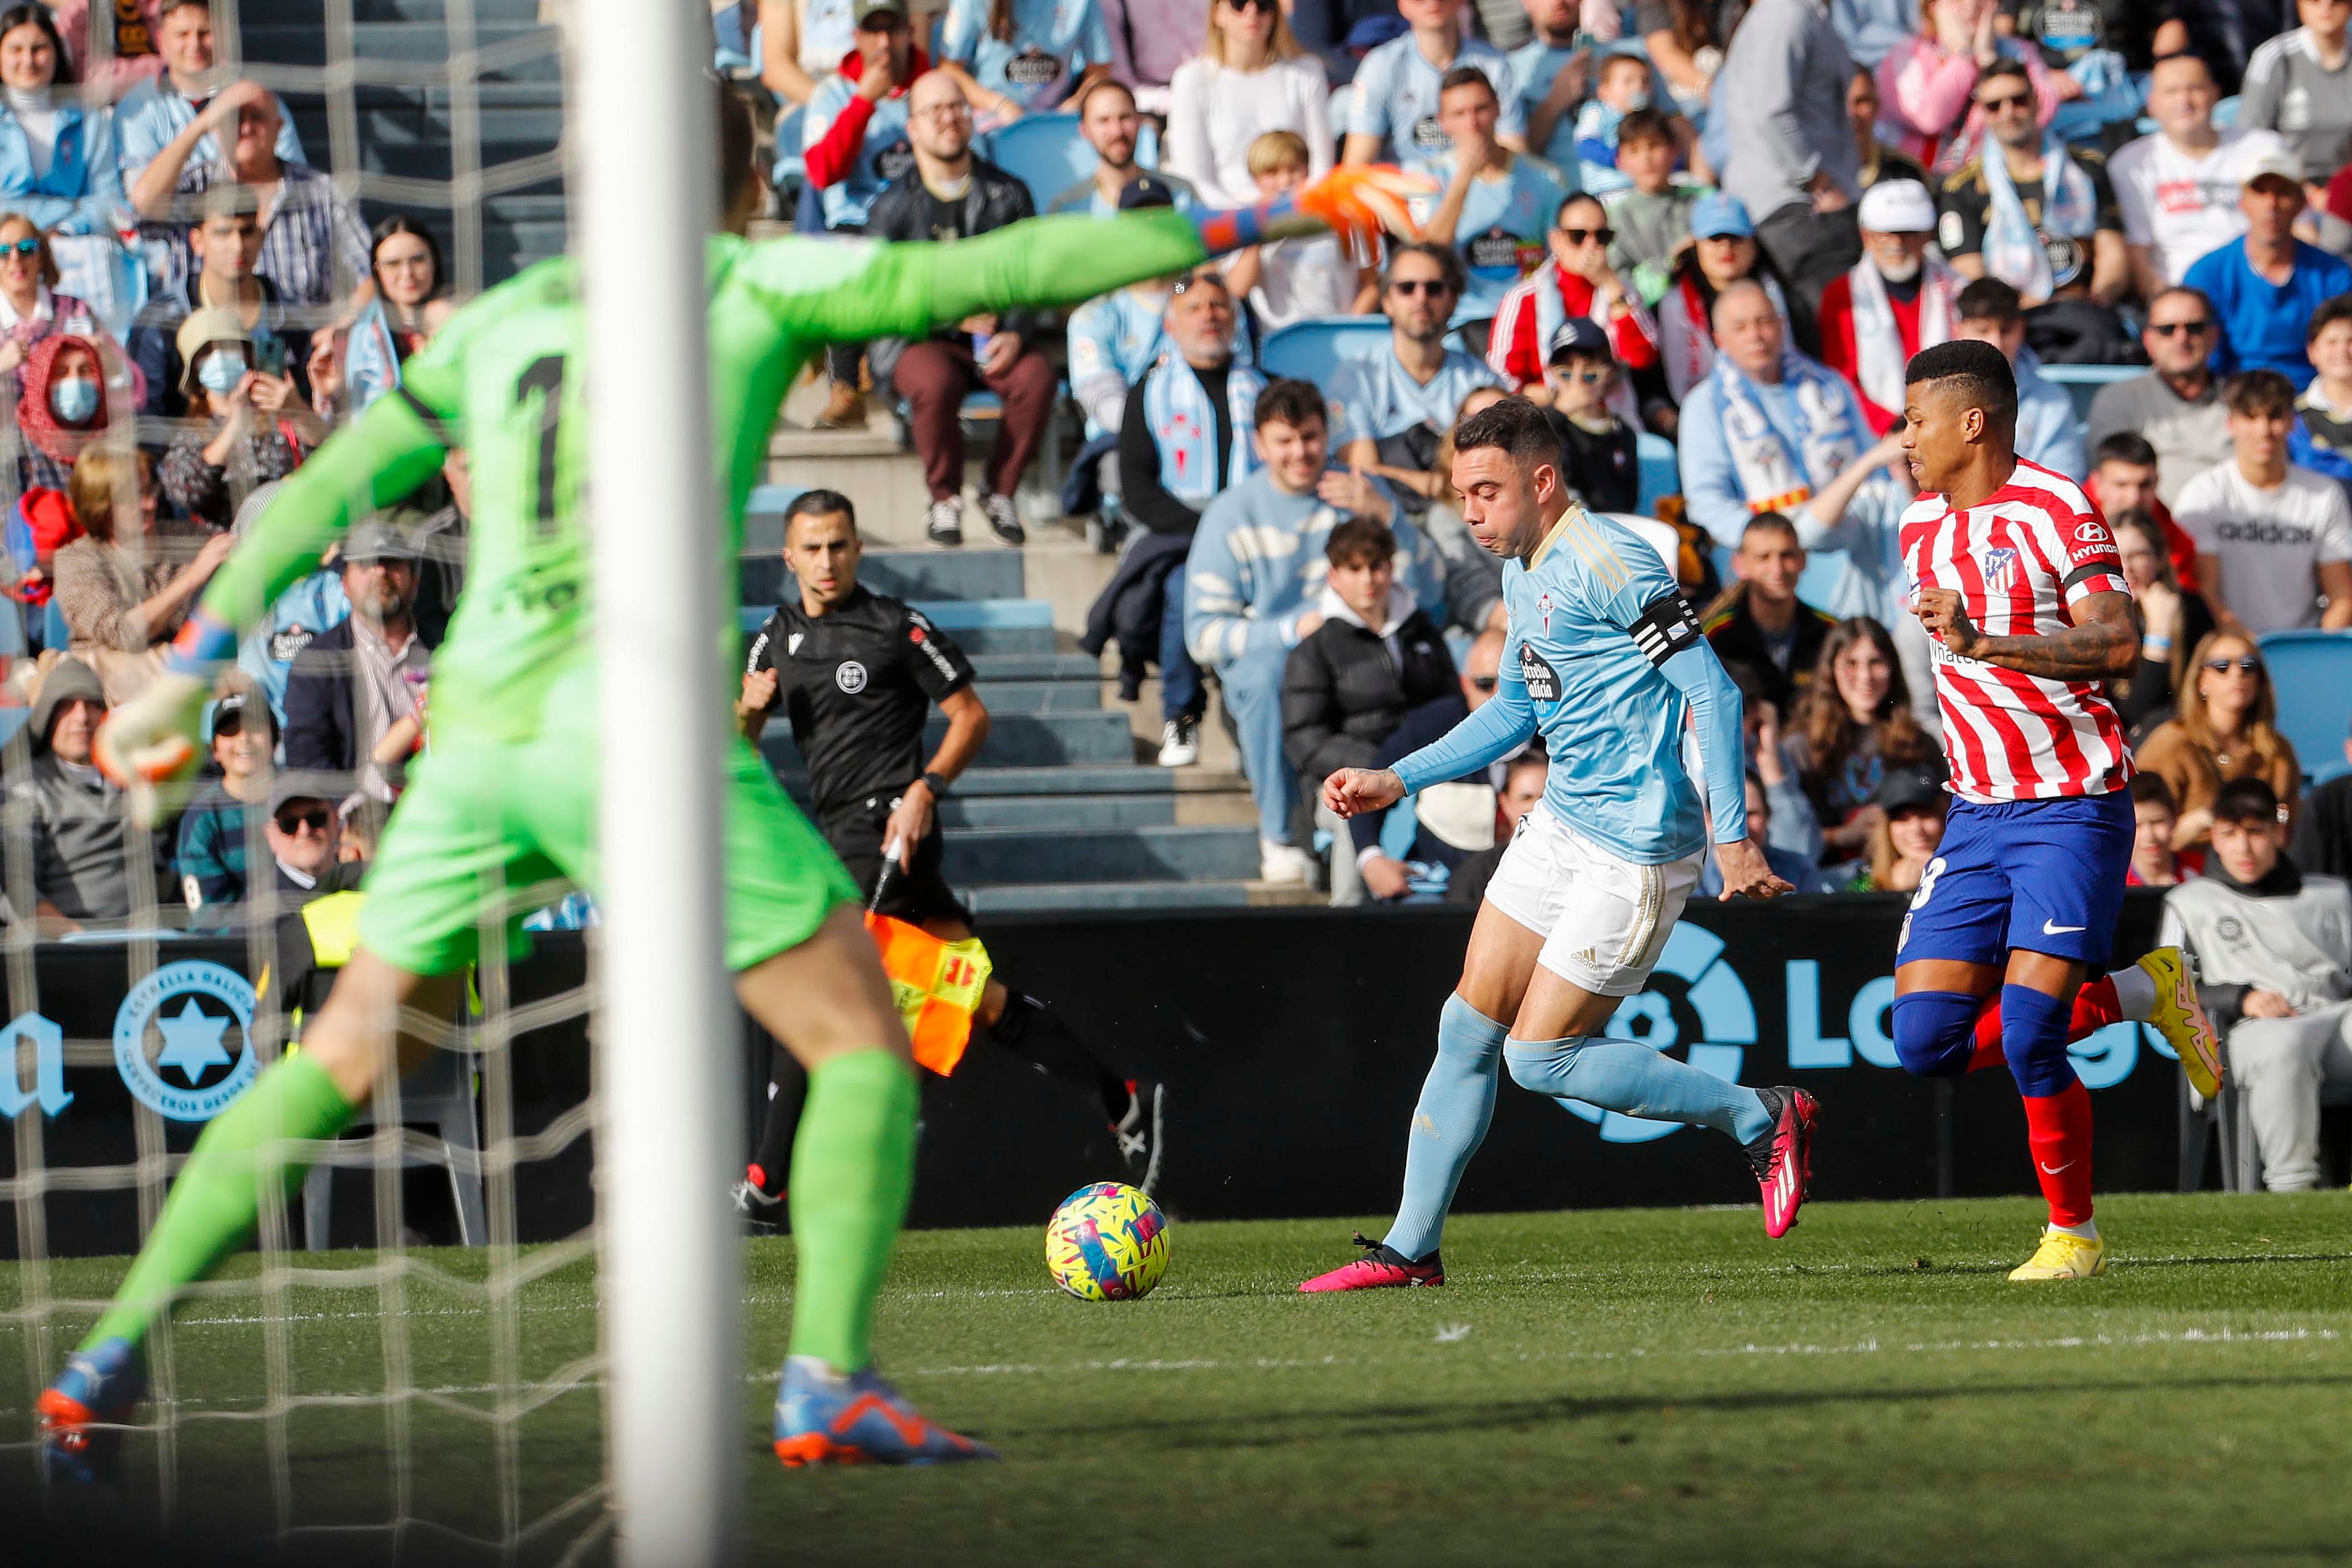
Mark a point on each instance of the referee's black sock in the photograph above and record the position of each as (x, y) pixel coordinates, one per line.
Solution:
(787, 1089)
(1037, 1034)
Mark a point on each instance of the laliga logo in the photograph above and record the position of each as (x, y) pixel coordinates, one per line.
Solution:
(1726, 1022)
(167, 1014)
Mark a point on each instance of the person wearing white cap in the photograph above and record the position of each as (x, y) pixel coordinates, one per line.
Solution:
(2265, 284)
(1895, 301)
(2179, 186)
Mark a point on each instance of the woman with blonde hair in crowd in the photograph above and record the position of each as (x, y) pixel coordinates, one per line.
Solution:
(1852, 724)
(1251, 77)
(125, 586)
(2226, 729)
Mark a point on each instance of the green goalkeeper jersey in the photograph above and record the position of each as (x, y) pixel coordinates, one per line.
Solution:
(503, 379)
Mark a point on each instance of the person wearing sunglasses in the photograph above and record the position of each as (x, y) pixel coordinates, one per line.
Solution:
(2226, 730)
(304, 834)
(2176, 406)
(31, 308)
(1496, 205)
(1393, 408)
(1603, 459)
(1927, 82)
(1577, 284)
(2272, 539)
(1250, 78)
(2178, 186)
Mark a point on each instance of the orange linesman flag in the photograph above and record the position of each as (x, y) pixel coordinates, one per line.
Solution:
(937, 985)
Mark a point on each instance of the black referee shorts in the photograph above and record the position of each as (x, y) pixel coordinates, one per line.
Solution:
(920, 891)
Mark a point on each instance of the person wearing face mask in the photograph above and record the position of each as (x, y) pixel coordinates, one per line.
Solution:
(30, 307)
(1895, 301)
(127, 586)
(63, 406)
(260, 427)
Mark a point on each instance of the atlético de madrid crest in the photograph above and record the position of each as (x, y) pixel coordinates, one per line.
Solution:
(2000, 569)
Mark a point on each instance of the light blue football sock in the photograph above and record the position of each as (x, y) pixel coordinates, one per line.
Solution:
(1457, 1101)
(1618, 1075)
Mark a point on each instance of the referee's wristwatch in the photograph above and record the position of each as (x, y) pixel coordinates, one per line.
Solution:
(936, 784)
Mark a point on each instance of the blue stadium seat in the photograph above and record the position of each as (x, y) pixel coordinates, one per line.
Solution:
(2083, 382)
(1044, 152)
(2312, 673)
(790, 164)
(1660, 474)
(1312, 349)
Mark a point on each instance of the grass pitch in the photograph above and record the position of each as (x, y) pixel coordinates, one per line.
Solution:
(1632, 1387)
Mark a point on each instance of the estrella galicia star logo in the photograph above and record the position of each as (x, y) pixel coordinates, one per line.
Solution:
(178, 1020)
(192, 1042)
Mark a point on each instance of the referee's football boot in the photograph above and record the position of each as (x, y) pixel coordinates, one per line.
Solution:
(823, 1418)
(84, 1411)
(1138, 1131)
(2180, 1019)
(1783, 1157)
(1382, 1267)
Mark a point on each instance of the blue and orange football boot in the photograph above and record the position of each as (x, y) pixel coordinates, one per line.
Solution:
(823, 1418)
(83, 1412)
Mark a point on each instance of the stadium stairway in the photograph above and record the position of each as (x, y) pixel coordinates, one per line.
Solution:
(1066, 809)
(406, 132)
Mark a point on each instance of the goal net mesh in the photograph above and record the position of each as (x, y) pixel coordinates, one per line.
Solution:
(431, 1390)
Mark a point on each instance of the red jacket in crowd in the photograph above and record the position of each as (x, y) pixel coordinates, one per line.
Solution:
(830, 158)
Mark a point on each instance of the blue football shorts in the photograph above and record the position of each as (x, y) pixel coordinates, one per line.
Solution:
(2043, 876)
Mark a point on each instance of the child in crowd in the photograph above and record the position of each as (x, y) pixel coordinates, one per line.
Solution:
(2154, 816)
(1603, 466)
(2321, 438)
(1623, 88)
(1293, 280)
(1651, 214)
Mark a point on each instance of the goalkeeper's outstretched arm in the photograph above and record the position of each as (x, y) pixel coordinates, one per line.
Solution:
(907, 288)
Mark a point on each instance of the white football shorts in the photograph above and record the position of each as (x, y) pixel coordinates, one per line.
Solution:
(1603, 920)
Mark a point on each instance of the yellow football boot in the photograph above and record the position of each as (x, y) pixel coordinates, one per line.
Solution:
(2180, 1019)
(2062, 1256)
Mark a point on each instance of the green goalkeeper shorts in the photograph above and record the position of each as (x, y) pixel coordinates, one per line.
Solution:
(488, 831)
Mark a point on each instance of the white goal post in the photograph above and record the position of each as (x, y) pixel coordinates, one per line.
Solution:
(645, 171)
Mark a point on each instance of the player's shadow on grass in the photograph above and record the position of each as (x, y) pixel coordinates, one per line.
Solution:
(1272, 1429)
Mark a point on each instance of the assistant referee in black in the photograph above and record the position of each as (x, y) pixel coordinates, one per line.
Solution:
(855, 674)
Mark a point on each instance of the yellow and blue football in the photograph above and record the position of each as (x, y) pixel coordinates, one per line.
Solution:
(1108, 1242)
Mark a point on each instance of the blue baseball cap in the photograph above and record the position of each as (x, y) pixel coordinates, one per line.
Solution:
(1720, 216)
(1371, 32)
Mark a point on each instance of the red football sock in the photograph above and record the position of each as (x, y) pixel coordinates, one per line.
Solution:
(2094, 1008)
(2058, 1132)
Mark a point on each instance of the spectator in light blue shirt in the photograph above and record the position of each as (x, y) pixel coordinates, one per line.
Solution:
(2048, 431)
(1417, 384)
(1550, 70)
(56, 155)
(1394, 118)
(1108, 122)
(1494, 206)
(2265, 284)
(1251, 582)
(1039, 54)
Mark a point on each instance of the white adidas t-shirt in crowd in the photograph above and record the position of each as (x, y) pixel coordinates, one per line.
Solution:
(2180, 207)
(1300, 278)
(2271, 543)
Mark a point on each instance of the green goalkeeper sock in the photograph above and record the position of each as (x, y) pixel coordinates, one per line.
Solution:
(217, 1199)
(853, 1166)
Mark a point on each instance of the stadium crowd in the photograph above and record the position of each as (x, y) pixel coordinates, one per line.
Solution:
(1706, 228)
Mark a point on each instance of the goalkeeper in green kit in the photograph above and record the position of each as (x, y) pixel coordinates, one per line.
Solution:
(506, 800)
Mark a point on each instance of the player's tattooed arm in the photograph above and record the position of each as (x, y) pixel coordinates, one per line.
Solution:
(2101, 644)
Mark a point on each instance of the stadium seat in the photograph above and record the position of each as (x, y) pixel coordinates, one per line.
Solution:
(1044, 152)
(1312, 349)
(2083, 382)
(439, 1095)
(2312, 673)
(791, 168)
(1660, 474)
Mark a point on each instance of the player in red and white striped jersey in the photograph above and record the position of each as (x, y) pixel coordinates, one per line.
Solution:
(2016, 579)
(2023, 560)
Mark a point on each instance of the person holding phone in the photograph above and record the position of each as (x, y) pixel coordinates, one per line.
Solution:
(260, 424)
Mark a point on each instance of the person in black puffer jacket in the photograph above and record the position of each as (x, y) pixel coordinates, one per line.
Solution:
(1373, 674)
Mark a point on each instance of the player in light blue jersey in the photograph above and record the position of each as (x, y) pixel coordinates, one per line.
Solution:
(1605, 661)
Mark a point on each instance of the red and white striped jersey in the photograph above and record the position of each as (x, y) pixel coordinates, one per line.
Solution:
(2021, 562)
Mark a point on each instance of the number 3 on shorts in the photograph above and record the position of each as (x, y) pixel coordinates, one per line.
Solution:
(1918, 901)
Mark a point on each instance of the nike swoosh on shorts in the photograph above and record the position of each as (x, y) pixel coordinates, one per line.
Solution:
(2049, 930)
